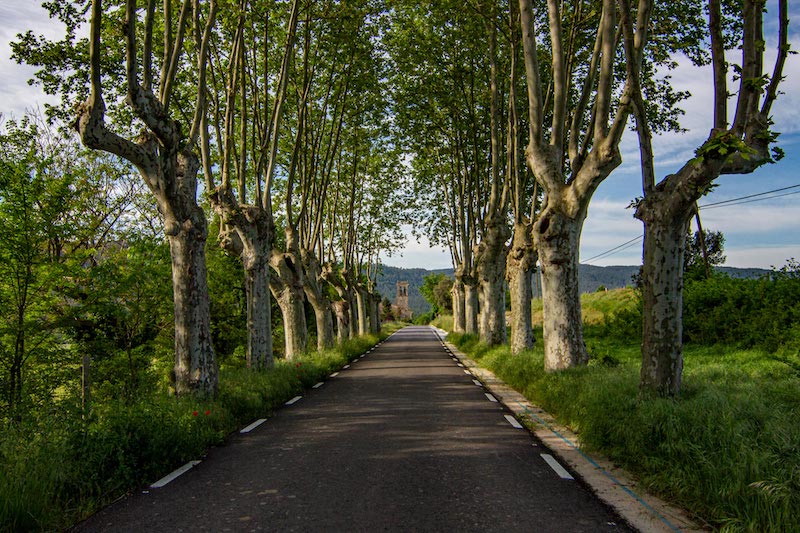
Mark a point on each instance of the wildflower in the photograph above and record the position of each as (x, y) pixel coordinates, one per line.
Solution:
(194, 413)
(208, 413)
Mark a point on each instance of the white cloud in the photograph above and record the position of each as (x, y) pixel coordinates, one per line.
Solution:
(19, 16)
(761, 256)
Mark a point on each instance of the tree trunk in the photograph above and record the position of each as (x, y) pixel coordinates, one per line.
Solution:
(246, 232)
(315, 292)
(662, 296)
(195, 368)
(470, 305)
(557, 238)
(342, 310)
(361, 303)
(259, 308)
(459, 325)
(375, 313)
(491, 260)
(520, 265)
(287, 287)
(352, 300)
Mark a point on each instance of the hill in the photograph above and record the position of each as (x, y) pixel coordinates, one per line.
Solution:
(591, 277)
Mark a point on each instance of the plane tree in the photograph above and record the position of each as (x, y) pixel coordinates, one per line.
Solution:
(737, 144)
(240, 152)
(163, 151)
(443, 109)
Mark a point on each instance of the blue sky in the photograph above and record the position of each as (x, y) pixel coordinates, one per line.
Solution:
(758, 234)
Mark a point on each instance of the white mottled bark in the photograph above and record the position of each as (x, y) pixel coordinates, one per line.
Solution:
(662, 301)
(195, 369)
(491, 260)
(557, 238)
(459, 325)
(287, 287)
(520, 266)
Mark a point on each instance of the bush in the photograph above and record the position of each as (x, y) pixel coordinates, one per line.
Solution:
(746, 313)
(424, 318)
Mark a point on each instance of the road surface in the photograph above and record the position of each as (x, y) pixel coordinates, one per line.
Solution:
(403, 440)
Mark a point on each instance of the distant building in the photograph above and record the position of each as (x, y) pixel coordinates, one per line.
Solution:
(400, 308)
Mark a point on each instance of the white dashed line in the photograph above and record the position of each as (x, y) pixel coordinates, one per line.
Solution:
(560, 470)
(467, 371)
(253, 426)
(478, 383)
(490, 397)
(459, 364)
(293, 400)
(182, 470)
(334, 374)
(345, 367)
(318, 385)
(513, 421)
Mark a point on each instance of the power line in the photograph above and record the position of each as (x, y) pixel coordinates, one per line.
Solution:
(724, 203)
(732, 203)
(616, 248)
(751, 196)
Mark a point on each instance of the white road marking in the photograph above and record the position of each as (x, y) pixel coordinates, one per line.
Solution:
(490, 397)
(318, 385)
(478, 383)
(459, 364)
(171, 477)
(467, 371)
(334, 374)
(293, 400)
(556, 466)
(253, 426)
(346, 367)
(513, 421)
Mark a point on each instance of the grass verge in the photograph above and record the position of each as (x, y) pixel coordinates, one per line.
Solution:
(727, 450)
(58, 470)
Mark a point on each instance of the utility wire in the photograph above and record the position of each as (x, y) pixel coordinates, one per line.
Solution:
(730, 203)
(751, 196)
(724, 203)
(615, 249)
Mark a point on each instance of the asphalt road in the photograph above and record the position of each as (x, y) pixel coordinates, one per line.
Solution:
(403, 440)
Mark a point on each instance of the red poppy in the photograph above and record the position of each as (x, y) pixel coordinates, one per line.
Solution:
(208, 413)
(194, 413)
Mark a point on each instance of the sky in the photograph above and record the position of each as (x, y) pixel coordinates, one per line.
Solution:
(763, 233)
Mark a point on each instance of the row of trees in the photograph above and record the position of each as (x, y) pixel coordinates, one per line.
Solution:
(300, 116)
(274, 113)
(567, 79)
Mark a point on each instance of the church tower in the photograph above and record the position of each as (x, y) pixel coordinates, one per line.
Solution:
(401, 301)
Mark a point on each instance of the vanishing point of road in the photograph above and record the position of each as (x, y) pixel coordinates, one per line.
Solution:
(402, 440)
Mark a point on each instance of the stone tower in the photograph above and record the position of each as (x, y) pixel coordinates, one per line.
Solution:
(402, 310)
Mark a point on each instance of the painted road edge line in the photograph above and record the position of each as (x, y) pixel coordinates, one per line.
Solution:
(556, 466)
(513, 421)
(174, 475)
(253, 426)
(293, 400)
(334, 374)
(346, 367)
(467, 371)
(318, 385)
(490, 397)
(477, 383)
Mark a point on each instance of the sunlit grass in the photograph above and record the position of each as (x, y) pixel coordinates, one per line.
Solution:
(55, 471)
(726, 450)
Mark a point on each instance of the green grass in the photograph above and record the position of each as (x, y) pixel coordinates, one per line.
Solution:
(728, 450)
(59, 469)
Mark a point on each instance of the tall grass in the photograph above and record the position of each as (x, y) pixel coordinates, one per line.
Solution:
(728, 449)
(59, 469)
